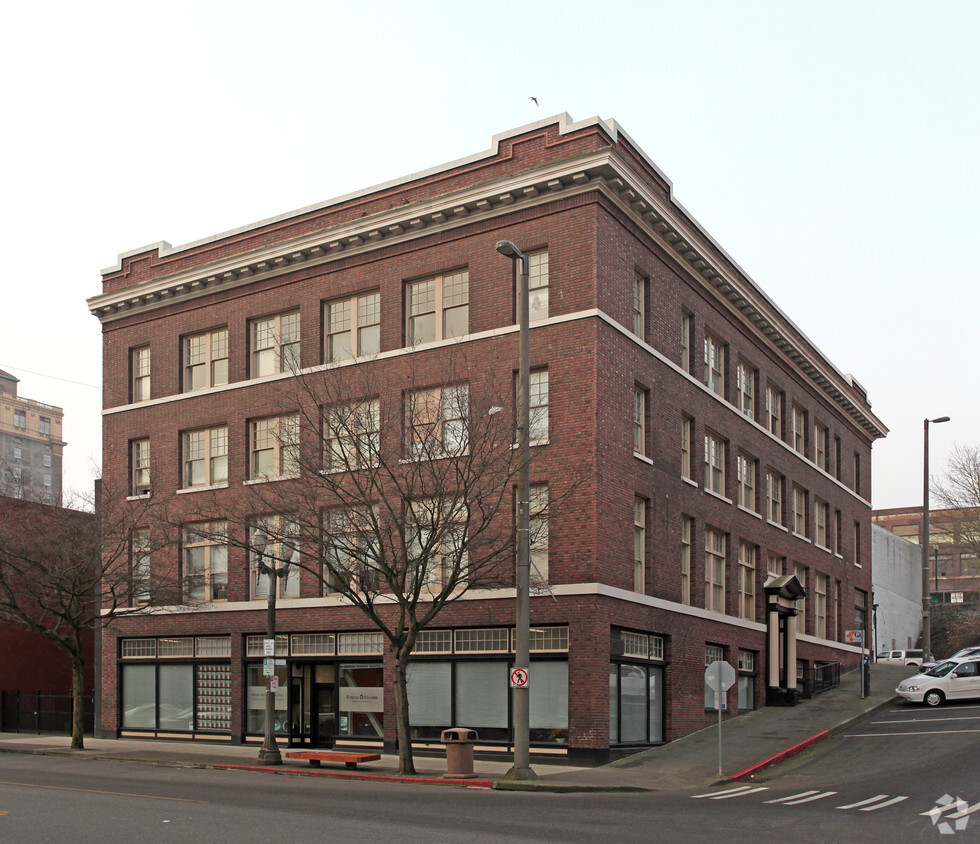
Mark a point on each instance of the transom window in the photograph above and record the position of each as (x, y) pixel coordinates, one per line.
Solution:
(438, 308)
(274, 446)
(353, 327)
(275, 344)
(438, 420)
(206, 457)
(714, 570)
(141, 374)
(206, 360)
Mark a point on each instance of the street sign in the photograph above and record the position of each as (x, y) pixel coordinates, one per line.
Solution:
(268, 667)
(269, 647)
(719, 676)
(855, 637)
(519, 678)
(273, 684)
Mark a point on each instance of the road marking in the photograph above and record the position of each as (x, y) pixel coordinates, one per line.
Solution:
(969, 810)
(929, 720)
(731, 792)
(811, 799)
(884, 805)
(937, 810)
(97, 791)
(791, 797)
(864, 802)
(923, 733)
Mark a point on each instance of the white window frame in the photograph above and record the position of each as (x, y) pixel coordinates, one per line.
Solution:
(821, 512)
(774, 497)
(282, 547)
(277, 437)
(820, 586)
(437, 421)
(140, 567)
(44, 425)
(539, 538)
(747, 471)
(714, 364)
(687, 429)
(140, 455)
(141, 373)
(714, 463)
(687, 335)
(799, 429)
(275, 344)
(205, 456)
(639, 544)
(539, 285)
(211, 539)
(800, 525)
(687, 531)
(349, 541)
(774, 410)
(799, 570)
(747, 561)
(714, 570)
(356, 318)
(821, 442)
(745, 385)
(639, 304)
(352, 435)
(538, 400)
(205, 359)
(445, 298)
(639, 420)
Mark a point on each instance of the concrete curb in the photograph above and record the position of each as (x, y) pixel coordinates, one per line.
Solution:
(783, 754)
(356, 775)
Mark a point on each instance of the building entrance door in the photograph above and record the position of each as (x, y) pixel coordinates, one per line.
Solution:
(324, 714)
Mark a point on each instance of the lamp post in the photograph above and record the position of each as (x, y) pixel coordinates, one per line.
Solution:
(521, 769)
(269, 752)
(924, 539)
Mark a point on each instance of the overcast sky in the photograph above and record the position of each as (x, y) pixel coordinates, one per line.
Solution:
(830, 148)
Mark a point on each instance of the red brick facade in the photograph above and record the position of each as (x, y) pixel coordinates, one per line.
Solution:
(604, 214)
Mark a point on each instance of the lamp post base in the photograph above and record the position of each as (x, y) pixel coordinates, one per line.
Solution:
(516, 774)
(269, 756)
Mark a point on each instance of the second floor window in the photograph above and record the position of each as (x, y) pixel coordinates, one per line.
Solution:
(539, 533)
(687, 426)
(438, 308)
(140, 567)
(353, 327)
(352, 435)
(206, 562)
(274, 446)
(437, 420)
(141, 374)
(275, 344)
(206, 360)
(687, 530)
(279, 551)
(714, 570)
(538, 406)
(639, 544)
(206, 457)
(141, 467)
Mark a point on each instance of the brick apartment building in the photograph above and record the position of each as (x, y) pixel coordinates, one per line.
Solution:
(716, 450)
(31, 446)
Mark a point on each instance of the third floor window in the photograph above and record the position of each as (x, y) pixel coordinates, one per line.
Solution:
(438, 308)
(206, 360)
(275, 344)
(141, 374)
(353, 327)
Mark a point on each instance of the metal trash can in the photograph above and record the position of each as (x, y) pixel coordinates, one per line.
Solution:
(459, 743)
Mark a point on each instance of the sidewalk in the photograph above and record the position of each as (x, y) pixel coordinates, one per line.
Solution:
(747, 741)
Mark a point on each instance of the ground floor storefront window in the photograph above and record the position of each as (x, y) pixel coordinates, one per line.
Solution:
(476, 694)
(636, 703)
(177, 698)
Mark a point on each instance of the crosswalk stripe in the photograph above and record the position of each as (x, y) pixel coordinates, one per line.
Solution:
(937, 811)
(811, 799)
(732, 792)
(791, 797)
(969, 810)
(891, 802)
(874, 799)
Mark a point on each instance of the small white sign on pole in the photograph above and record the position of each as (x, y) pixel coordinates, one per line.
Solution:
(519, 678)
(269, 647)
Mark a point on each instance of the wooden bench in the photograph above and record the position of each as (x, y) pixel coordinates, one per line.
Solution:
(350, 760)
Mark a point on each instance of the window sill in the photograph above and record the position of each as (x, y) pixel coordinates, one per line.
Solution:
(804, 538)
(642, 457)
(717, 495)
(202, 488)
(141, 496)
(750, 512)
(822, 547)
(777, 525)
(690, 482)
(253, 481)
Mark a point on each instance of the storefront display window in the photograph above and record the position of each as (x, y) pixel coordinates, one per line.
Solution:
(361, 704)
(139, 697)
(256, 692)
(635, 703)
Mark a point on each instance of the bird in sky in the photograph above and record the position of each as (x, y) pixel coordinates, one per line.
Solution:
(533, 100)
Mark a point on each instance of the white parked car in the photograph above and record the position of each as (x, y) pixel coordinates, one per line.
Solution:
(954, 679)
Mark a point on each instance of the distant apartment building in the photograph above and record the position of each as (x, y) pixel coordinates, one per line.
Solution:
(31, 446)
(954, 569)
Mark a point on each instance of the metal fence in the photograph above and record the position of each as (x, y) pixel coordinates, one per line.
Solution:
(825, 676)
(41, 712)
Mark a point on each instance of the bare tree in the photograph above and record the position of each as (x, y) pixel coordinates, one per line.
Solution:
(958, 490)
(400, 497)
(65, 572)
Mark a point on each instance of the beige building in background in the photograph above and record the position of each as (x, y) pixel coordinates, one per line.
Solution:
(31, 445)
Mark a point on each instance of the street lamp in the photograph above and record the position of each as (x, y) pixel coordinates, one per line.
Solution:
(521, 769)
(924, 539)
(269, 752)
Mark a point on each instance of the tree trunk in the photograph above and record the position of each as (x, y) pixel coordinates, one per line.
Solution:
(406, 762)
(77, 703)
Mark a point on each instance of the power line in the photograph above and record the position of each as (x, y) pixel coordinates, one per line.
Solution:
(52, 377)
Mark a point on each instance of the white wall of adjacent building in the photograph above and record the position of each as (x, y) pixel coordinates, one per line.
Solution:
(896, 572)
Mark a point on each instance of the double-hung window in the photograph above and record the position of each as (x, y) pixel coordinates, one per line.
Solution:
(206, 360)
(746, 580)
(639, 420)
(20, 419)
(274, 544)
(206, 562)
(274, 446)
(141, 467)
(799, 429)
(539, 533)
(820, 443)
(141, 373)
(774, 497)
(820, 517)
(352, 435)
(538, 285)
(437, 546)
(714, 463)
(746, 482)
(774, 411)
(438, 308)
(745, 382)
(639, 544)
(206, 457)
(353, 327)
(538, 400)
(44, 425)
(799, 511)
(350, 549)
(820, 585)
(687, 348)
(140, 567)
(714, 364)
(714, 570)
(437, 421)
(639, 304)
(275, 344)
(687, 426)
(687, 531)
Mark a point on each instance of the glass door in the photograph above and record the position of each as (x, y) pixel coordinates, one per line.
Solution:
(324, 715)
